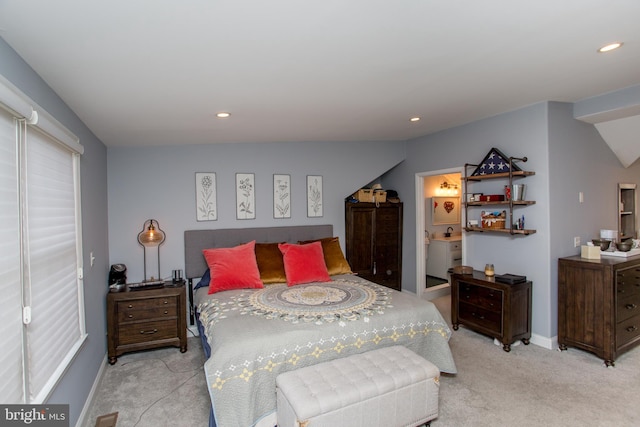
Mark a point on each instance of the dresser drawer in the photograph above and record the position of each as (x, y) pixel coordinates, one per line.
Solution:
(628, 282)
(149, 308)
(628, 330)
(628, 307)
(487, 319)
(489, 299)
(142, 332)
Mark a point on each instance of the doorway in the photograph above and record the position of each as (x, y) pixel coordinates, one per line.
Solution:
(427, 185)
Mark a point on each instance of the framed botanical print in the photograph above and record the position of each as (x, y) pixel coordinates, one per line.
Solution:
(314, 196)
(245, 196)
(281, 196)
(206, 209)
(445, 210)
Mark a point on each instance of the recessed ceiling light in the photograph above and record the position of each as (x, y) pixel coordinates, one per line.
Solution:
(610, 47)
(223, 115)
(414, 119)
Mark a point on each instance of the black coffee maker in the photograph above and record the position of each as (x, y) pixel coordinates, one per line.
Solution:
(118, 274)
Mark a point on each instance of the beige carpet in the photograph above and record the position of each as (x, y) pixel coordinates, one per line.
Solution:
(530, 386)
(154, 388)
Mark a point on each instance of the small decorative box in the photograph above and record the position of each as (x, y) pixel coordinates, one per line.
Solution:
(492, 198)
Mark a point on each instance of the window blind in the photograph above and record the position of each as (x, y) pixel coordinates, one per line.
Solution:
(11, 372)
(52, 262)
(40, 249)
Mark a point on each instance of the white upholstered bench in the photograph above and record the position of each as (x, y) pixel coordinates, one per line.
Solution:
(386, 387)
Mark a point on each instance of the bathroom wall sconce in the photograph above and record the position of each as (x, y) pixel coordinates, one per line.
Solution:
(151, 237)
(447, 189)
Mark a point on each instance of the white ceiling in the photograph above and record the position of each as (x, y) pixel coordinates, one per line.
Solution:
(155, 72)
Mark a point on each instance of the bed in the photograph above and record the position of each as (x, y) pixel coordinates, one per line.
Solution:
(252, 335)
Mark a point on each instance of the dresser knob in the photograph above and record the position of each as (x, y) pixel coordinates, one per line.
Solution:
(130, 316)
(166, 302)
(130, 306)
(632, 328)
(630, 306)
(149, 332)
(166, 312)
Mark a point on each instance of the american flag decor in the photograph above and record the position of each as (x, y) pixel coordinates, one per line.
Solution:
(494, 162)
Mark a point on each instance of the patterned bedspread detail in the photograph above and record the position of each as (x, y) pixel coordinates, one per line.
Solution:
(250, 348)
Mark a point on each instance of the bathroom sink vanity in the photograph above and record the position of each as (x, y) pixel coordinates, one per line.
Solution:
(443, 253)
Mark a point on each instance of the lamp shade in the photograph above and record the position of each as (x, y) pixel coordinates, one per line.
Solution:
(151, 235)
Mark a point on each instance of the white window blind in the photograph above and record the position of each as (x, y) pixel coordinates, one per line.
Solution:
(52, 260)
(40, 249)
(11, 386)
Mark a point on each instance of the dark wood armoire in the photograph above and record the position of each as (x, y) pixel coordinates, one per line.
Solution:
(374, 241)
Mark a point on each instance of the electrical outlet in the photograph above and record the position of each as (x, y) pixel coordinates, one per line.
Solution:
(576, 242)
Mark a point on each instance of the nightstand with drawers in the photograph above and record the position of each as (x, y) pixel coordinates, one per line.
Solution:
(146, 318)
(499, 310)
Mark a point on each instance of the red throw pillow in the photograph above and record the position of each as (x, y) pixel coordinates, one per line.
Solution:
(233, 268)
(333, 256)
(304, 263)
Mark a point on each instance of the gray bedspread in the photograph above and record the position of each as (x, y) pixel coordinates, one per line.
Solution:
(257, 334)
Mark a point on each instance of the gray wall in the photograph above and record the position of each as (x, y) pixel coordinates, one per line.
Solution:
(77, 381)
(580, 161)
(159, 183)
(567, 155)
(518, 133)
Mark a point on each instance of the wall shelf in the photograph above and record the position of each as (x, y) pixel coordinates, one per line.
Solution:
(627, 208)
(510, 204)
(499, 230)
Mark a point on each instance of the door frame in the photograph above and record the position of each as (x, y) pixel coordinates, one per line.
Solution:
(421, 274)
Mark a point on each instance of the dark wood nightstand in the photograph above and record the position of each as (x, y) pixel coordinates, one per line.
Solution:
(499, 310)
(146, 318)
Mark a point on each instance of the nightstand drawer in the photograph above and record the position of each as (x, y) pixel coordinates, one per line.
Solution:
(147, 309)
(141, 332)
(481, 317)
(490, 299)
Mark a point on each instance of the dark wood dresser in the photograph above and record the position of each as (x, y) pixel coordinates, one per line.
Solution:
(499, 310)
(144, 319)
(374, 241)
(599, 305)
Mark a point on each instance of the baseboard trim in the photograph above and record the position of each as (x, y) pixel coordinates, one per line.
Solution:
(545, 342)
(89, 401)
(437, 291)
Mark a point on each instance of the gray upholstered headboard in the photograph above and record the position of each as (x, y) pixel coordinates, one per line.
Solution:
(197, 240)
